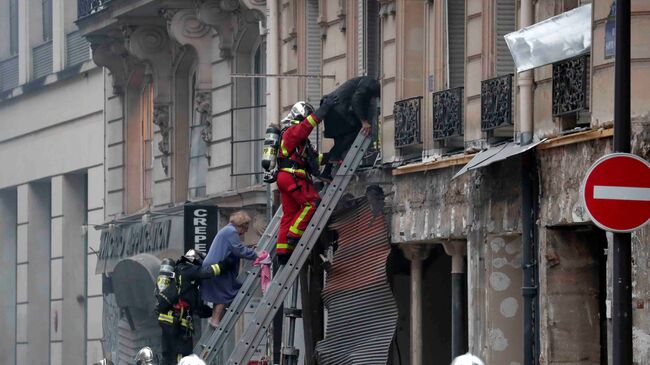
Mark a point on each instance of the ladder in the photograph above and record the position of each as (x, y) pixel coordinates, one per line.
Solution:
(209, 349)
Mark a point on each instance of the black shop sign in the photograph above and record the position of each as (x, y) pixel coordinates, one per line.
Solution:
(201, 223)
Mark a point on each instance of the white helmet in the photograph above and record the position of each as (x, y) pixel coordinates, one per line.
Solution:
(145, 357)
(299, 111)
(191, 360)
(194, 256)
(467, 359)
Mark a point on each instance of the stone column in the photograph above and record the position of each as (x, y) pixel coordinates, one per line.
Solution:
(74, 268)
(38, 273)
(58, 35)
(24, 42)
(457, 251)
(8, 221)
(416, 253)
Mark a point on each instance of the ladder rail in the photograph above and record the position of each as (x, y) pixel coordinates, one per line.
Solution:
(281, 284)
(217, 338)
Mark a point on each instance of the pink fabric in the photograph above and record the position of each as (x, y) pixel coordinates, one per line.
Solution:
(264, 260)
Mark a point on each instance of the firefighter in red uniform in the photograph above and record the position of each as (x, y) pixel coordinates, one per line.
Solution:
(296, 165)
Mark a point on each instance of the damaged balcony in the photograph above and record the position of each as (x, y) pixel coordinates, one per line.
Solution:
(407, 114)
(496, 107)
(448, 119)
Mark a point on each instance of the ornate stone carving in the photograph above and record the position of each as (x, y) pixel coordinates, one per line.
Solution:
(111, 53)
(203, 106)
(340, 13)
(145, 41)
(161, 119)
(221, 16)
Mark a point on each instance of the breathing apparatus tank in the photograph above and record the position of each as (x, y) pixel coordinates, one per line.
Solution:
(270, 155)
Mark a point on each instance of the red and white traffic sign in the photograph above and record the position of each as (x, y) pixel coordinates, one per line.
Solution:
(616, 192)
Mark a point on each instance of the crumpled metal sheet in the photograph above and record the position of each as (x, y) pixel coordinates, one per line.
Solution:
(554, 39)
(362, 313)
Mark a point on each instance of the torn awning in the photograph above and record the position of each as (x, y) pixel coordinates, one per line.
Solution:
(495, 154)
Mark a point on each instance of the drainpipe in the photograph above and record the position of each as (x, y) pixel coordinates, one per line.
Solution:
(529, 206)
(457, 250)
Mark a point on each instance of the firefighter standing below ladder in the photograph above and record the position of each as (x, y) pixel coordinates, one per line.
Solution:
(298, 196)
(179, 300)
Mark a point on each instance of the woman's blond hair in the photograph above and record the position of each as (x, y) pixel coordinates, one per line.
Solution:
(240, 218)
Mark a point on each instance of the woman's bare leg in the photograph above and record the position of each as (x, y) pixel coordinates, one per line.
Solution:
(218, 311)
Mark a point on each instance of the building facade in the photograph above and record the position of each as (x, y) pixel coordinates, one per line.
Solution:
(482, 252)
(51, 186)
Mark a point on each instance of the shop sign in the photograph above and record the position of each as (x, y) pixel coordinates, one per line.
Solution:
(201, 223)
(134, 239)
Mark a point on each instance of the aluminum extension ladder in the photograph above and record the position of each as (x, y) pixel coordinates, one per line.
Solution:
(209, 348)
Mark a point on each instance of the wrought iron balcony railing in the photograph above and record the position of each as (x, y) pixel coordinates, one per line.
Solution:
(448, 113)
(88, 7)
(496, 102)
(570, 85)
(407, 122)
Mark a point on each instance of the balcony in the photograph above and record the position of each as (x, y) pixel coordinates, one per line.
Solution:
(407, 122)
(448, 113)
(89, 7)
(570, 79)
(496, 102)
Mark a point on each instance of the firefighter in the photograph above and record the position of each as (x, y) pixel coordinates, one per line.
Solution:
(296, 166)
(179, 300)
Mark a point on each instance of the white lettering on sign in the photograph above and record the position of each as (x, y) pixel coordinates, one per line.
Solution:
(200, 223)
(621, 193)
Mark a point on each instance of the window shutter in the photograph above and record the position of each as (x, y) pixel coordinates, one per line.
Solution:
(505, 23)
(456, 42)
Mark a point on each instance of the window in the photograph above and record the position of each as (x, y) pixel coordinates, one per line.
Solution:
(200, 133)
(259, 112)
(13, 27)
(504, 24)
(456, 43)
(47, 19)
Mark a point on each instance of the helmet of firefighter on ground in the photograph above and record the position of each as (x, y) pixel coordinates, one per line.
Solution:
(165, 274)
(191, 360)
(146, 357)
(194, 256)
(467, 359)
(298, 112)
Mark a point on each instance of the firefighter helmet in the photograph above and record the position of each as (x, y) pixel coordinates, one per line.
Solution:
(191, 360)
(194, 256)
(467, 359)
(298, 112)
(145, 357)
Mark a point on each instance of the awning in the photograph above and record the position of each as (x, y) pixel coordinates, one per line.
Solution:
(495, 154)
(555, 39)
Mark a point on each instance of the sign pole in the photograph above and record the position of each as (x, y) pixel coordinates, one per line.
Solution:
(622, 278)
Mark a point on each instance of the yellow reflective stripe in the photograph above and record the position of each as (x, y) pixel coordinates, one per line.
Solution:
(166, 317)
(282, 245)
(216, 269)
(186, 323)
(283, 150)
(293, 171)
(312, 121)
(294, 228)
(320, 158)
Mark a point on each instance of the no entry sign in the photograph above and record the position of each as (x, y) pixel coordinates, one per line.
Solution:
(616, 192)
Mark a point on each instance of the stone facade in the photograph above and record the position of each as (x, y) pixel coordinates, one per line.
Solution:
(159, 55)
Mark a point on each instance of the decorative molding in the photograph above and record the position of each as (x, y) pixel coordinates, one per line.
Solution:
(161, 119)
(111, 53)
(203, 106)
(340, 13)
(413, 251)
(221, 16)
